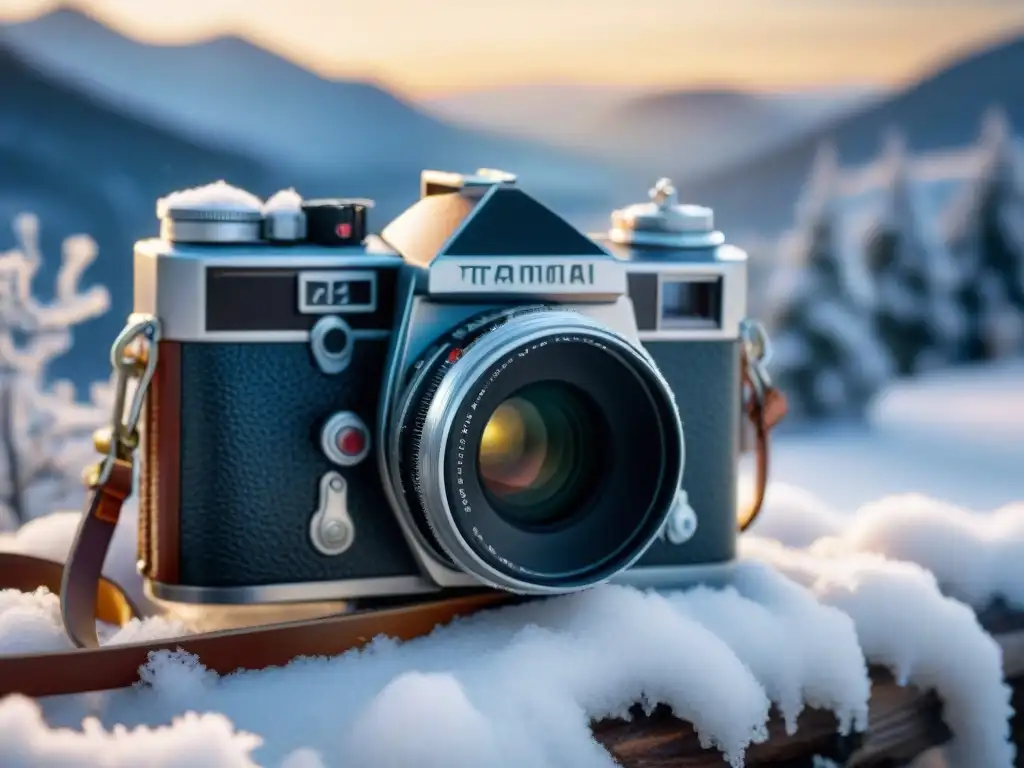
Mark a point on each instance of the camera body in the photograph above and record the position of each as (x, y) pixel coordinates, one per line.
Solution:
(312, 429)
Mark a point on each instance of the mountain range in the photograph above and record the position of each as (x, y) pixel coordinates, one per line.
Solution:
(230, 93)
(643, 130)
(94, 127)
(83, 168)
(941, 110)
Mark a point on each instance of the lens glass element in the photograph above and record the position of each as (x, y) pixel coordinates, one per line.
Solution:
(540, 454)
(536, 450)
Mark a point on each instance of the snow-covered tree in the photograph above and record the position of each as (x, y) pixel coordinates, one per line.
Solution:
(915, 314)
(986, 236)
(827, 357)
(45, 433)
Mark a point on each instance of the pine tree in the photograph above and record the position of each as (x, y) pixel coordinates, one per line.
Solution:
(827, 358)
(986, 236)
(915, 314)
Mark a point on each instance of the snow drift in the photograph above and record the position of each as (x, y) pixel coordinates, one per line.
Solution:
(519, 686)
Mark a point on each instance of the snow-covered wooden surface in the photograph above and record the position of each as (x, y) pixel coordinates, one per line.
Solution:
(904, 723)
(810, 642)
(831, 594)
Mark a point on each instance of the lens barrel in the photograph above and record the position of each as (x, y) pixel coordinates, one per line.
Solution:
(540, 450)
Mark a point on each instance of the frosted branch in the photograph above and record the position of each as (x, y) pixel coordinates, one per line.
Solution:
(45, 437)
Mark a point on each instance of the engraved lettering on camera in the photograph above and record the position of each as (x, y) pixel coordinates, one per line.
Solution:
(528, 274)
(539, 274)
(337, 291)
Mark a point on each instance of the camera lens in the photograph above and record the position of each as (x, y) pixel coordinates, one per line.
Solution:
(536, 450)
(540, 453)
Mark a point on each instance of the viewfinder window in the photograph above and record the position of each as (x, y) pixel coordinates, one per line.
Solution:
(691, 302)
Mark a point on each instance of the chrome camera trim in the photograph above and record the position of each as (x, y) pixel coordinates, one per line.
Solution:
(655, 577)
(170, 282)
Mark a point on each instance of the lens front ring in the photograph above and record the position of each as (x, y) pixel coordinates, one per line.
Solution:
(483, 363)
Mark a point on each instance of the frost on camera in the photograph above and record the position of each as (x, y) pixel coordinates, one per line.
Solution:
(45, 431)
(219, 195)
(285, 200)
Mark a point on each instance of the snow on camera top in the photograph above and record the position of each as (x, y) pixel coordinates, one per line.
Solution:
(219, 195)
(283, 201)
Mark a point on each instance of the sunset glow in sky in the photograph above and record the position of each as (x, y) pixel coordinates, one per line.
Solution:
(432, 46)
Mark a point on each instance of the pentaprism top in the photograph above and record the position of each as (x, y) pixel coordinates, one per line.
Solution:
(664, 222)
(485, 214)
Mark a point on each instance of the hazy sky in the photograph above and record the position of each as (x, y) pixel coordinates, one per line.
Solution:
(443, 45)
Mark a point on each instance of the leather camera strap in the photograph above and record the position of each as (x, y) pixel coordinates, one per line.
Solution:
(87, 596)
(765, 406)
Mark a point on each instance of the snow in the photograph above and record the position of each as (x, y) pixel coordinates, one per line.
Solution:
(977, 558)
(939, 644)
(50, 537)
(219, 194)
(931, 244)
(518, 686)
(45, 431)
(915, 276)
(514, 687)
(982, 404)
(958, 435)
(285, 200)
(827, 354)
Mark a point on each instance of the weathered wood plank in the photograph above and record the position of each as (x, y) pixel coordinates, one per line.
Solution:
(904, 722)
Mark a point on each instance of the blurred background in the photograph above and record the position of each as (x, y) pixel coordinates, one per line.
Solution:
(864, 152)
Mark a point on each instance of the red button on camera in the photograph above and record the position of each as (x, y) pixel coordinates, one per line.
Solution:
(345, 439)
(351, 441)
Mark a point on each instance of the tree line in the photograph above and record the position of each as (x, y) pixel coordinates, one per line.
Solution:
(914, 290)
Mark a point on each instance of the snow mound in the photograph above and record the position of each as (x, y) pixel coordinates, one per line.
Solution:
(795, 517)
(191, 741)
(283, 200)
(905, 624)
(977, 558)
(521, 685)
(219, 194)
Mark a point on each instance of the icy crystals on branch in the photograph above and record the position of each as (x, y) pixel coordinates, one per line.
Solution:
(44, 431)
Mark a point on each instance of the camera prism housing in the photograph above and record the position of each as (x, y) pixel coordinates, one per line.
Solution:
(480, 396)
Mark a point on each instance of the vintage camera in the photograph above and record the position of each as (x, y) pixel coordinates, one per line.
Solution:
(481, 396)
